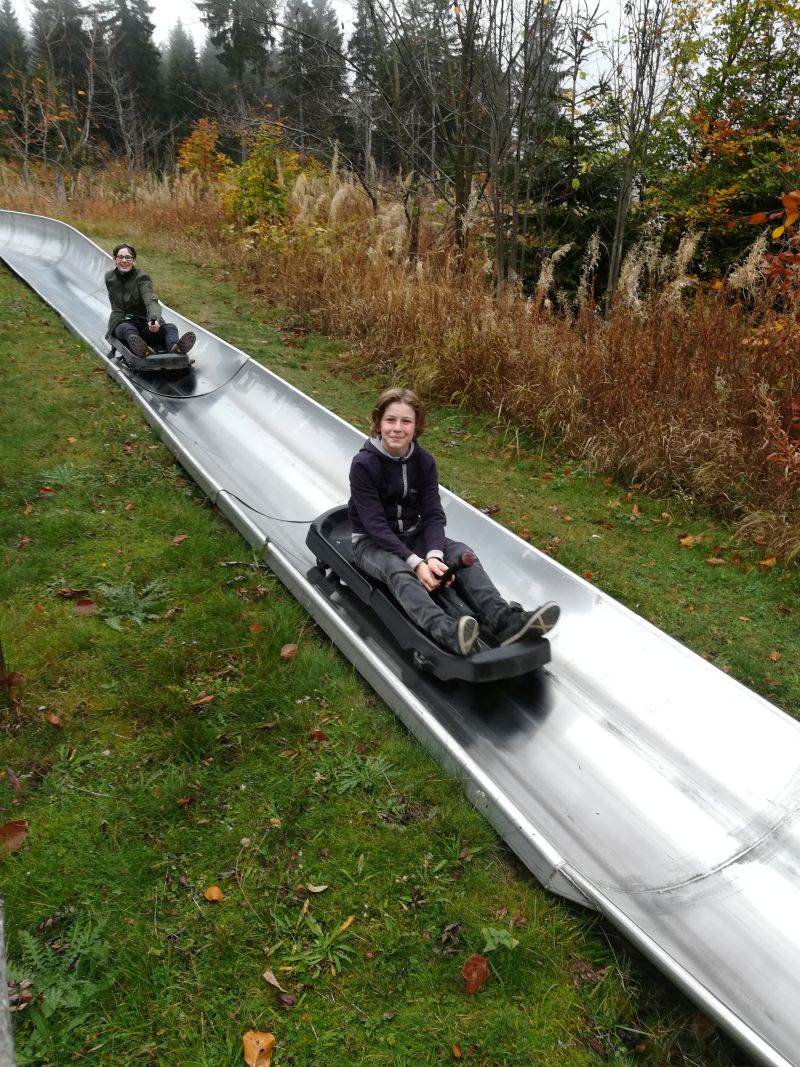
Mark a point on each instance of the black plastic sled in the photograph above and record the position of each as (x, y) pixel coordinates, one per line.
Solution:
(329, 539)
(156, 363)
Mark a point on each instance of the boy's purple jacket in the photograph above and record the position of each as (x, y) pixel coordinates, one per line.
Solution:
(395, 502)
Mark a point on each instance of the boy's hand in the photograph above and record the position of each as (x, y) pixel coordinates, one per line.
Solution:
(430, 572)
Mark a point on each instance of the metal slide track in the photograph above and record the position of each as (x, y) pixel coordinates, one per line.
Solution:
(630, 775)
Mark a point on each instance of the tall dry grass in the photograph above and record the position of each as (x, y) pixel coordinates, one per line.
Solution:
(680, 388)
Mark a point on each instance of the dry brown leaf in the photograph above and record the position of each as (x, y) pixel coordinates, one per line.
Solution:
(83, 606)
(69, 593)
(214, 894)
(15, 784)
(128, 506)
(702, 1027)
(13, 834)
(476, 971)
(317, 735)
(687, 540)
(456, 1052)
(774, 656)
(288, 651)
(767, 564)
(28, 507)
(178, 539)
(183, 801)
(268, 976)
(716, 561)
(589, 576)
(53, 719)
(46, 490)
(276, 823)
(316, 888)
(202, 698)
(257, 1047)
(12, 678)
(72, 440)
(255, 628)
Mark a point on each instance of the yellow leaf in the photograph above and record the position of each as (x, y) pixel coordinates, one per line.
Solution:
(778, 232)
(214, 894)
(767, 564)
(346, 924)
(774, 656)
(790, 219)
(257, 1048)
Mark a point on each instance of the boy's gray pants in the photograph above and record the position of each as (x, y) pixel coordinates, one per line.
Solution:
(473, 584)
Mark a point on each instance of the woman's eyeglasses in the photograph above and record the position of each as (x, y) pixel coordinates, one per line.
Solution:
(125, 257)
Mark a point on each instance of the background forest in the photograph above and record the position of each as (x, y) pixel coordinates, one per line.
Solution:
(583, 219)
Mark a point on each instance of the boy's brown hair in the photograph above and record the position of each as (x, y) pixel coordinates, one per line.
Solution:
(118, 248)
(398, 395)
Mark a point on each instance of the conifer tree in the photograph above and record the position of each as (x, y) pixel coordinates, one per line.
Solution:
(181, 74)
(311, 75)
(241, 31)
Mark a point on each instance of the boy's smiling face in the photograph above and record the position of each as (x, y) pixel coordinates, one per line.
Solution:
(398, 425)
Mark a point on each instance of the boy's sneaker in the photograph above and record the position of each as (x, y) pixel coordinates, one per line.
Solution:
(467, 634)
(184, 345)
(138, 346)
(522, 624)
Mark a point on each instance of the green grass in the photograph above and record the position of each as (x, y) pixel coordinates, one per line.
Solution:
(148, 792)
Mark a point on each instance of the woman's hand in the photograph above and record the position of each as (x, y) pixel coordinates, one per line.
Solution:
(153, 326)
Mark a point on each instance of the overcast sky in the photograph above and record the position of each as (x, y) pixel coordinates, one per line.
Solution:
(167, 12)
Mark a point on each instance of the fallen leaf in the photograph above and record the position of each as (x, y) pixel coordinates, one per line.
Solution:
(317, 735)
(13, 834)
(183, 801)
(316, 888)
(28, 507)
(178, 539)
(72, 440)
(69, 593)
(268, 976)
(476, 972)
(275, 823)
(456, 1052)
(24, 541)
(12, 678)
(589, 576)
(288, 651)
(15, 784)
(83, 606)
(214, 894)
(257, 1048)
(128, 507)
(767, 564)
(686, 540)
(46, 490)
(774, 656)
(716, 561)
(744, 618)
(635, 511)
(53, 719)
(202, 698)
(702, 1027)
(288, 1001)
(256, 628)
(346, 924)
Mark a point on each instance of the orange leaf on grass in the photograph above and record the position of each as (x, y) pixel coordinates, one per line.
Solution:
(178, 539)
(28, 507)
(716, 561)
(317, 735)
(53, 719)
(214, 894)
(13, 834)
(767, 564)
(288, 651)
(46, 490)
(202, 698)
(257, 1047)
(476, 971)
(255, 628)
(84, 606)
(774, 656)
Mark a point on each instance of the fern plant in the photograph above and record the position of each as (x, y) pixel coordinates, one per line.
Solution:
(66, 975)
(125, 603)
